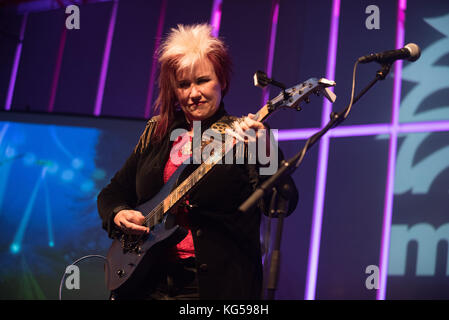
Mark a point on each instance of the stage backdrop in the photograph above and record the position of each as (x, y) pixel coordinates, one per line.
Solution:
(373, 192)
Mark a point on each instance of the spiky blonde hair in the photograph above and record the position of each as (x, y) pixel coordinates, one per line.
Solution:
(184, 47)
(189, 44)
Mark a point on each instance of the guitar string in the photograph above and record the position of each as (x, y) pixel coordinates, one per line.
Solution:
(179, 192)
(197, 175)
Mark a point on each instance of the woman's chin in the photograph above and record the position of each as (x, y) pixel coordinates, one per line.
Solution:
(199, 115)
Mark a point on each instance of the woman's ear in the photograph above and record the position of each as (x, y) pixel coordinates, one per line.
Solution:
(224, 89)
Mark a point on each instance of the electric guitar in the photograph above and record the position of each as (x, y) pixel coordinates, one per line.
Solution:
(130, 257)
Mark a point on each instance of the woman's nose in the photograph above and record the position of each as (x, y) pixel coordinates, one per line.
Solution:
(195, 93)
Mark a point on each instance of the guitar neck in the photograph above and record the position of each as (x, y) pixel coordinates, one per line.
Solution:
(263, 113)
(180, 191)
(289, 98)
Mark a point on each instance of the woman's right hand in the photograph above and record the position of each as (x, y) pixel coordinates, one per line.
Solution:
(130, 221)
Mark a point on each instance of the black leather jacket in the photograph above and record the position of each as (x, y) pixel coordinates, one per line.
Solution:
(227, 242)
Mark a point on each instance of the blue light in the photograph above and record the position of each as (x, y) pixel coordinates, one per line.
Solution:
(87, 186)
(53, 168)
(99, 174)
(14, 248)
(67, 175)
(77, 163)
(51, 244)
(29, 159)
(10, 152)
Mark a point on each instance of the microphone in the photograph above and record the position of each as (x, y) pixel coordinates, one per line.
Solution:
(411, 52)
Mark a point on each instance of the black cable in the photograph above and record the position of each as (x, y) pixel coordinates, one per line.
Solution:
(335, 117)
(74, 263)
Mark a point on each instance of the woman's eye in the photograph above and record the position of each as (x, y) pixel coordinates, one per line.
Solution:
(203, 80)
(183, 84)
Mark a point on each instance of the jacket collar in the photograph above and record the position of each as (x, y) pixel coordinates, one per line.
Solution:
(180, 120)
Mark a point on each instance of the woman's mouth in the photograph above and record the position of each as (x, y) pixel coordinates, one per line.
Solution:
(196, 104)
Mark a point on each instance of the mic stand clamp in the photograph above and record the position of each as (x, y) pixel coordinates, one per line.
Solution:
(382, 73)
(278, 209)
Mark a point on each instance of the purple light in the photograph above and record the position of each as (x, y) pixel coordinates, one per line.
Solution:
(105, 63)
(388, 205)
(360, 130)
(295, 134)
(340, 132)
(432, 126)
(57, 70)
(216, 17)
(15, 66)
(270, 55)
(365, 130)
(160, 27)
(315, 237)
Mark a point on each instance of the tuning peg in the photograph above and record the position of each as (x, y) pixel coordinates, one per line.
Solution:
(327, 82)
(330, 95)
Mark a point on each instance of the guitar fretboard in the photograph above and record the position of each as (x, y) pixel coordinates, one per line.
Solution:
(157, 214)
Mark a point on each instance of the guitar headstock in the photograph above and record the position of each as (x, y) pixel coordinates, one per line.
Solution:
(301, 92)
(292, 97)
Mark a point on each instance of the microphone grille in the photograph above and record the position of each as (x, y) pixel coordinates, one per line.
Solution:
(415, 51)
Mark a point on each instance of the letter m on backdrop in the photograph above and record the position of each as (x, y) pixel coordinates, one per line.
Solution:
(427, 239)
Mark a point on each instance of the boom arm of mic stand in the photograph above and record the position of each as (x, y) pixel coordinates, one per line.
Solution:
(288, 167)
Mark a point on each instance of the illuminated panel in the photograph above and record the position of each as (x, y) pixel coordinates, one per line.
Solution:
(16, 245)
(315, 237)
(15, 66)
(392, 129)
(216, 17)
(160, 26)
(365, 130)
(388, 206)
(57, 70)
(270, 55)
(105, 63)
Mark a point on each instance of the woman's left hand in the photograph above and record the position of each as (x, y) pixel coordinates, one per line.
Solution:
(248, 130)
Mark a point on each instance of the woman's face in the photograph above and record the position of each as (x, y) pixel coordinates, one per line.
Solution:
(198, 91)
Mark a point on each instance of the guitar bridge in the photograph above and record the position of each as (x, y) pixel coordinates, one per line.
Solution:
(131, 244)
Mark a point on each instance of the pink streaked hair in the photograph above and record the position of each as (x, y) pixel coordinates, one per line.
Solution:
(184, 48)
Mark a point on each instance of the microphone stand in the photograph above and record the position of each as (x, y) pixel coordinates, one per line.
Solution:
(289, 166)
(278, 208)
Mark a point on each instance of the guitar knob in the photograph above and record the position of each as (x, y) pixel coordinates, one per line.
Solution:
(121, 273)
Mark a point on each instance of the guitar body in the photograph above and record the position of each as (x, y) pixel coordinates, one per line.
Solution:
(131, 258)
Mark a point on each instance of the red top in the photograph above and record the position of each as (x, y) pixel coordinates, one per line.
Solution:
(181, 151)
